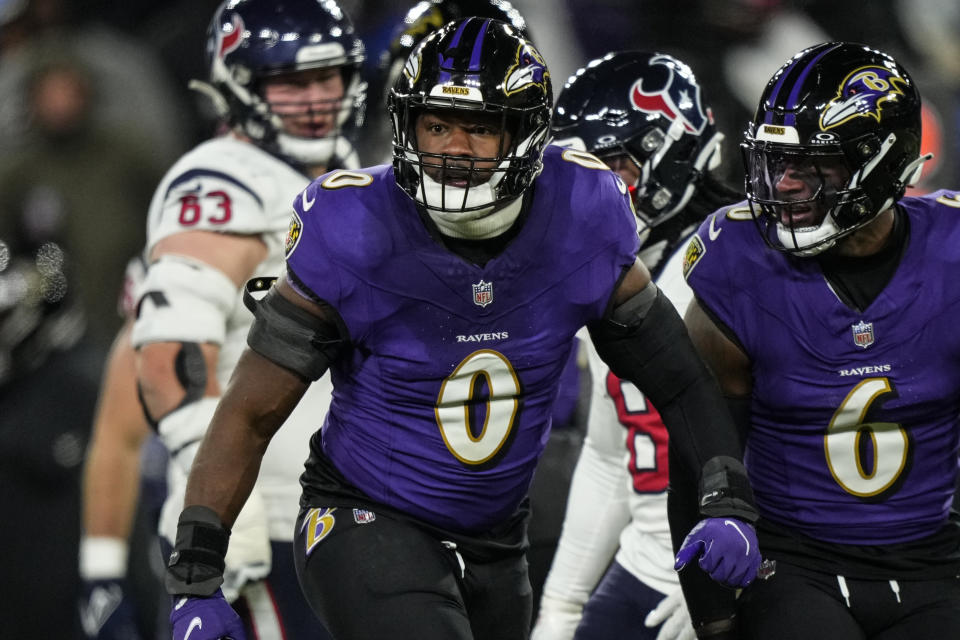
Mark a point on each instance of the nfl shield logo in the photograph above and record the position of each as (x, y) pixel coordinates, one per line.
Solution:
(863, 334)
(483, 293)
(362, 516)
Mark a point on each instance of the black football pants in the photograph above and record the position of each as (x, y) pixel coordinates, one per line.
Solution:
(801, 604)
(369, 576)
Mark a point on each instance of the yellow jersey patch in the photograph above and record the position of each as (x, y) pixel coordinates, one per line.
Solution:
(695, 251)
(293, 235)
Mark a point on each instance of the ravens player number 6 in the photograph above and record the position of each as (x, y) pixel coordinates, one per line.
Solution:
(832, 331)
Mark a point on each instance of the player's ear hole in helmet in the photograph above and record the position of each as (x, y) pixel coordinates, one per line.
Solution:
(479, 70)
(835, 142)
(306, 55)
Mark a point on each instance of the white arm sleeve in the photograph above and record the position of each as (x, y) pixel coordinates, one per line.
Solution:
(597, 512)
(672, 283)
(182, 430)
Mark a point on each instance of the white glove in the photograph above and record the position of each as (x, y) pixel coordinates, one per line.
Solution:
(672, 613)
(557, 619)
(249, 556)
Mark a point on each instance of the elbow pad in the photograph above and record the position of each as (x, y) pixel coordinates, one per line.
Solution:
(290, 336)
(183, 300)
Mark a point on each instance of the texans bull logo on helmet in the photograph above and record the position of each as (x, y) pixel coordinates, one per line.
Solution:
(673, 99)
(862, 94)
(230, 40)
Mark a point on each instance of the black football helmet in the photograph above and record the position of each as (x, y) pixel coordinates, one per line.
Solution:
(474, 65)
(843, 119)
(250, 40)
(648, 107)
(429, 15)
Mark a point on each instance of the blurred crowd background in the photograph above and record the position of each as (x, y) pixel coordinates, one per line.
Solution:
(94, 107)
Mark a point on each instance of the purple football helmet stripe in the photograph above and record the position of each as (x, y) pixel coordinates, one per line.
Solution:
(475, 55)
(456, 36)
(768, 118)
(798, 85)
(772, 101)
(447, 63)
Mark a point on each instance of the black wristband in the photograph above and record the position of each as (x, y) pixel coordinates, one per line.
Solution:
(196, 565)
(725, 490)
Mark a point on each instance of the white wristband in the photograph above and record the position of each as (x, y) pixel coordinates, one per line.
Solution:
(103, 558)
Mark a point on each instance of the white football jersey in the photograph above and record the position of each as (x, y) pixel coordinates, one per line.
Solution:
(231, 186)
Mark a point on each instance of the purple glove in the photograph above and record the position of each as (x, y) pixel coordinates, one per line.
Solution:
(727, 548)
(212, 618)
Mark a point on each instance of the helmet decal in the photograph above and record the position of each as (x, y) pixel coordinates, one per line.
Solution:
(861, 94)
(529, 71)
(412, 68)
(647, 109)
(673, 100)
(230, 41)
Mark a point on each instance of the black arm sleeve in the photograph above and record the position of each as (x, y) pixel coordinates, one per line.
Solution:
(648, 345)
(740, 410)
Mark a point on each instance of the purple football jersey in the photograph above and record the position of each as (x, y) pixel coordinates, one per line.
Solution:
(442, 406)
(854, 432)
